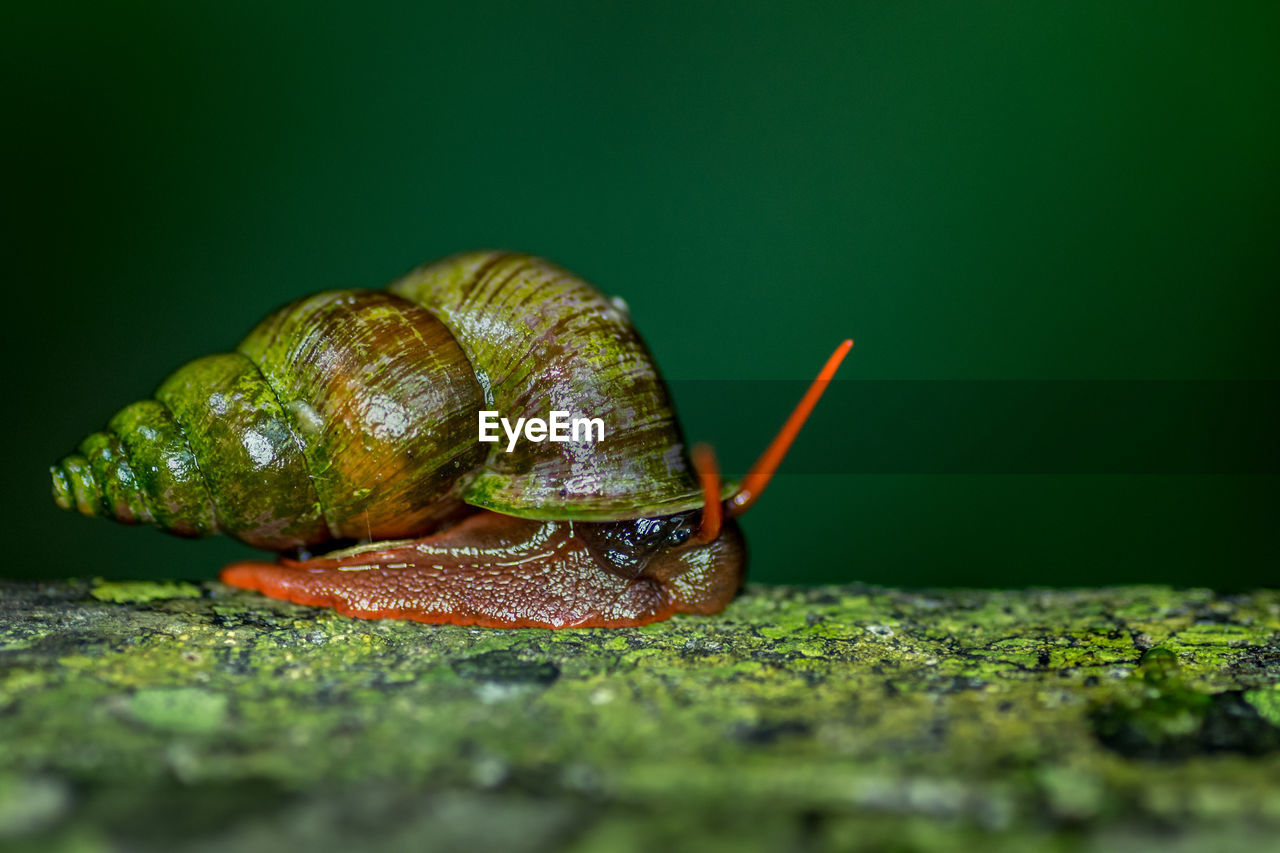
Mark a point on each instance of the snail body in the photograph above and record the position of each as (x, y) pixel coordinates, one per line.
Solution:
(352, 415)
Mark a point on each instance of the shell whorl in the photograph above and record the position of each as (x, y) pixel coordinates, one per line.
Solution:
(543, 338)
(383, 404)
(313, 430)
(352, 414)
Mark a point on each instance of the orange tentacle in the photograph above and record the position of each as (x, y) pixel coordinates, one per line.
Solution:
(704, 459)
(758, 477)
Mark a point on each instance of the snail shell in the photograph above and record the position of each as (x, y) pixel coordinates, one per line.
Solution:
(352, 414)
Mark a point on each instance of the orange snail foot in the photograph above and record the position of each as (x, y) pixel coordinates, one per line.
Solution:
(497, 571)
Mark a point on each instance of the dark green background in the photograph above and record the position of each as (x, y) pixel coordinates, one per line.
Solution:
(972, 190)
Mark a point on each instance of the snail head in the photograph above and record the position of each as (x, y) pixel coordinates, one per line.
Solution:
(669, 546)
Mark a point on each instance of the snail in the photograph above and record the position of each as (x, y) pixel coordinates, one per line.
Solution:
(351, 416)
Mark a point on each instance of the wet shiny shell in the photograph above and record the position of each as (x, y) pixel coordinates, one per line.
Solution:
(353, 414)
(541, 339)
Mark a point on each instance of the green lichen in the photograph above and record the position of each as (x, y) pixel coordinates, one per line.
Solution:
(828, 718)
(1267, 703)
(138, 592)
(184, 710)
(1167, 719)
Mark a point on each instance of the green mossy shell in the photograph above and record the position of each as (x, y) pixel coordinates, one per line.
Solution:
(247, 451)
(111, 469)
(354, 414)
(542, 339)
(383, 402)
(165, 468)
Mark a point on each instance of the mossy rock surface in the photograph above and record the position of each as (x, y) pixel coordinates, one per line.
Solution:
(193, 717)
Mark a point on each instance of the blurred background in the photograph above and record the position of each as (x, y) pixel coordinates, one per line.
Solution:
(1031, 198)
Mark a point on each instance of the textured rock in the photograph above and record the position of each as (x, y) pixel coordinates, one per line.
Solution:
(185, 717)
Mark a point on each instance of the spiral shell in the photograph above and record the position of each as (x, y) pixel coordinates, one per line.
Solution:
(543, 339)
(353, 414)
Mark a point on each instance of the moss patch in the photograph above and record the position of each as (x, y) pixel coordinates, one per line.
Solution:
(1266, 703)
(138, 592)
(831, 717)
